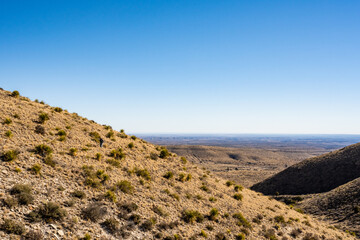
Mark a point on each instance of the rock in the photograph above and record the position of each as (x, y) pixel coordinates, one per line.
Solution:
(61, 233)
(53, 226)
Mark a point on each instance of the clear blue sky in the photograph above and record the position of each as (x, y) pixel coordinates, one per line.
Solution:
(189, 66)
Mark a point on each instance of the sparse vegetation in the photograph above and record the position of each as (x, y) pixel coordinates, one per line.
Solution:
(241, 220)
(153, 156)
(48, 212)
(43, 150)
(125, 186)
(49, 161)
(98, 156)
(229, 183)
(168, 175)
(95, 136)
(72, 152)
(10, 155)
(110, 195)
(110, 134)
(43, 117)
(78, 194)
(214, 213)
(7, 121)
(114, 162)
(40, 129)
(35, 169)
(191, 216)
(12, 227)
(111, 225)
(8, 134)
(164, 153)
(238, 188)
(94, 212)
(238, 196)
(144, 173)
(117, 154)
(183, 160)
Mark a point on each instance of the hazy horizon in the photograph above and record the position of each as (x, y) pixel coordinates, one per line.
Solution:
(189, 67)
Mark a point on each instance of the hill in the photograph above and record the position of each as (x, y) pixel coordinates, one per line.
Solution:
(315, 175)
(340, 205)
(56, 182)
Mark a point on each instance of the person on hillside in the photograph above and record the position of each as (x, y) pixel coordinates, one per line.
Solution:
(101, 142)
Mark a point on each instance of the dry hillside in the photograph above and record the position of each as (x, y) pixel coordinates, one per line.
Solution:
(57, 183)
(315, 175)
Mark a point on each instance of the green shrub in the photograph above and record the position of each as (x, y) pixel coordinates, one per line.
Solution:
(98, 156)
(48, 212)
(182, 177)
(212, 199)
(240, 236)
(16, 116)
(114, 162)
(144, 173)
(94, 212)
(12, 227)
(78, 194)
(43, 117)
(190, 216)
(158, 210)
(164, 153)
(131, 145)
(214, 213)
(40, 129)
(229, 183)
(58, 109)
(183, 160)
(10, 155)
(110, 134)
(111, 225)
(238, 196)
(7, 121)
(95, 136)
(125, 186)
(204, 188)
(203, 234)
(110, 195)
(241, 220)
(8, 134)
(279, 219)
(133, 137)
(86, 237)
(23, 193)
(43, 150)
(238, 188)
(15, 94)
(128, 207)
(35, 169)
(168, 175)
(148, 225)
(117, 154)
(49, 161)
(61, 133)
(10, 202)
(153, 156)
(72, 152)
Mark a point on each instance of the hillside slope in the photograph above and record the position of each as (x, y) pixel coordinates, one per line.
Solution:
(57, 183)
(315, 175)
(340, 205)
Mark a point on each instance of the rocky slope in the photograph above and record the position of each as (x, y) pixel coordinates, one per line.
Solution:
(57, 183)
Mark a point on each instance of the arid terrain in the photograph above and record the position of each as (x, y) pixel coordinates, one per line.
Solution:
(56, 182)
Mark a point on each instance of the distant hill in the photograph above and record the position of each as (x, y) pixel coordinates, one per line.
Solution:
(340, 205)
(315, 175)
(56, 182)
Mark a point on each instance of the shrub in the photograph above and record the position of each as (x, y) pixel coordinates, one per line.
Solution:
(111, 225)
(7, 121)
(238, 188)
(214, 213)
(15, 94)
(279, 219)
(49, 161)
(143, 173)
(94, 212)
(133, 137)
(356, 209)
(168, 175)
(86, 237)
(8, 133)
(182, 177)
(148, 225)
(158, 210)
(12, 227)
(117, 154)
(110, 134)
(40, 129)
(43, 117)
(61, 133)
(114, 162)
(203, 234)
(10, 155)
(95, 136)
(98, 156)
(183, 160)
(58, 109)
(48, 212)
(212, 199)
(131, 145)
(241, 220)
(33, 235)
(110, 195)
(128, 207)
(73, 152)
(153, 156)
(238, 196)
(10, 202)
(240, 236)
(220, 236)
(164, 153)
(43, 150)
(16, 116)
(78, 194)
(125, 186)
(229, 183)
(190, 216)
(204, 188)
(35, 169)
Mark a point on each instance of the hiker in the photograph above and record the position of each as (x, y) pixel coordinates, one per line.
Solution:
(101, 142)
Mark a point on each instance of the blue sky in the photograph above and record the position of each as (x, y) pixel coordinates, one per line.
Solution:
(189, 66)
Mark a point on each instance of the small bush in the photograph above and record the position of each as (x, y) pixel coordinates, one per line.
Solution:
(43, 150)
(7, 121)
(49, 161)
(357, 209)
(94, 212)
(279, 219)
(33, 235)
(117, 154)
(229, 183)
(95, 136)
(133, 137)
(238, 196)
(238, 188)
(58, 109)
(110, 134)
(212, 199)
(111, 225)
(86, 237)
(203, 234)
(43, 117)
(40, 129)
(12, 227)
(114, 162)
(10, 155)
(110, 195)
(144, 173)
(183, 160)
(10, 202)
(220, 236)
(153, 156)
(35, 169)
(15, 94)
(164, 153)
(48, 212)
(98, 156)
(125, 186)
(240, 236)
(128, 207)
(190, 216)
(168, 175)
(8, 134)
(241, 220)
(131, 145)
(204, 188)
(61, 133)
(214, 213)
(148, 225)
(78, 194)
(72, 152)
